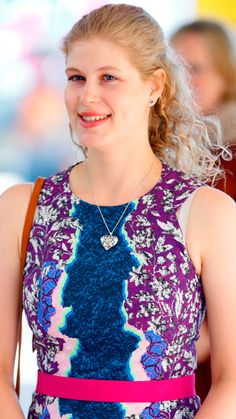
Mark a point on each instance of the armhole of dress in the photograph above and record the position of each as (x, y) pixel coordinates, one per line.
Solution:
(183, 214)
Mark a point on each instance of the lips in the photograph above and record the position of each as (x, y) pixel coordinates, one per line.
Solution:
(92, 119)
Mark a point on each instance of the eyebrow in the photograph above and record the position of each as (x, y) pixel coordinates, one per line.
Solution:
(99, 69)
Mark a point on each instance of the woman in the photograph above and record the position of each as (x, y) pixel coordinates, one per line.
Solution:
(113, 286)
(209, 51)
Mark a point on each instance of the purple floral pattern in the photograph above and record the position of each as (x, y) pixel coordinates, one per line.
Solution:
(164, 300)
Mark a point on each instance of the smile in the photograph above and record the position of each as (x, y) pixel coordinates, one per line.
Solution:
(92, 121)
(94, 118)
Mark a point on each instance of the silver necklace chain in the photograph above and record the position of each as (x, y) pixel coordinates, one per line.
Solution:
(110, 241)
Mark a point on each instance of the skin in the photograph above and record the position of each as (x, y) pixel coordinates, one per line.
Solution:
(207, 82)
(121, 146)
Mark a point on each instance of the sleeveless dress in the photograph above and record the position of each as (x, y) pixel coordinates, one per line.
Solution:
(132, 312)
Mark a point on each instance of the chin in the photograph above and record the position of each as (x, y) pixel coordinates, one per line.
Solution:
(94, 142)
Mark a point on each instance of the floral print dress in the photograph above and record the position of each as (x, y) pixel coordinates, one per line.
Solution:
(132, 312)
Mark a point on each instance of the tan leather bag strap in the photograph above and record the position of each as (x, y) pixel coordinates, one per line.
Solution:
(25, 238)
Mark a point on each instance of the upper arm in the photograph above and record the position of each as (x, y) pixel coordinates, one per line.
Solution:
(13, 207)
(213, 219)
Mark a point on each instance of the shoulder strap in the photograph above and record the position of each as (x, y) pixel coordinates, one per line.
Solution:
(25, 238)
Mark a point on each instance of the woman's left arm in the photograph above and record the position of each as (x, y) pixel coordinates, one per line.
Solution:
(213, 216)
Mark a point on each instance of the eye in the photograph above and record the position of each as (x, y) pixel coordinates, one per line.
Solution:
(108, 77)
(196, 69)
(76, 78)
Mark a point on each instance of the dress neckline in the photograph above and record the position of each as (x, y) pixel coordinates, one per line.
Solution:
(76, 199)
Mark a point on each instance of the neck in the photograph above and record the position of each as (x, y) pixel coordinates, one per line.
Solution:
(114, 164)
(116, 177)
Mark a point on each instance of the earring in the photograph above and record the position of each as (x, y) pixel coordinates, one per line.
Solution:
(152, 102)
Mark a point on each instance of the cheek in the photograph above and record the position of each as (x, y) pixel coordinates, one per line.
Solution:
(219, 86)
(209, 90)
(69, 98)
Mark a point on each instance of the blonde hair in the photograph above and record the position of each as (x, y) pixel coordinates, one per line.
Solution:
(177, 132)
(221, 47)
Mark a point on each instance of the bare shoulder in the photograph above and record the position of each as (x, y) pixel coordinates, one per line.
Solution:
(208, 192)
(13, 207)
(212, 221)
(20, 191)
(212, 205)
(16, 197)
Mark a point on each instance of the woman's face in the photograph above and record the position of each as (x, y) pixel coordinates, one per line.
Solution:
(208, 84)
(106, 98)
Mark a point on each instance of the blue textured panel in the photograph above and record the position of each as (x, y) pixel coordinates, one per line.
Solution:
(95, 294)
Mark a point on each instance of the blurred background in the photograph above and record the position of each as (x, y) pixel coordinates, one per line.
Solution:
(34, 134)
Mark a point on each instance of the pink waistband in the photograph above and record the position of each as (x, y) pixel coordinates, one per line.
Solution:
(115, 391)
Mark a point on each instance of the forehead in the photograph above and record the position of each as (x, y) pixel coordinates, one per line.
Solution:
(193, 47)
(98, 52)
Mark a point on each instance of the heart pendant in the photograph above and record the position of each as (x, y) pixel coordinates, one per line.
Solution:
(109, 241)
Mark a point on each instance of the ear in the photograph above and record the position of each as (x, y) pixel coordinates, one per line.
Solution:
(157, 83)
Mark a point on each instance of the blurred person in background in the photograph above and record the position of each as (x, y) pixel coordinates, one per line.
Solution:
(128, 247)
(208, 48)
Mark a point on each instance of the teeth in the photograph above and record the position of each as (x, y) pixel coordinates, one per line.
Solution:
(94, 118)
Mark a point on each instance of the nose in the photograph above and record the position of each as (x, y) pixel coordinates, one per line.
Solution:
(89, 93)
